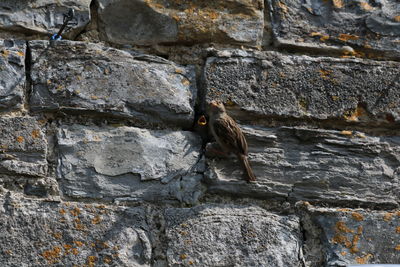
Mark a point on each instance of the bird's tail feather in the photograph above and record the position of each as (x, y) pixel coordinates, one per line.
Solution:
(249, 171)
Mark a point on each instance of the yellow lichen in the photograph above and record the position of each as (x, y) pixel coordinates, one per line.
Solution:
(397, 18)
(20, 139)
(388, 216)
(78, 243)
(345, 37)
(52, 255)
(183, 256)
(338, 3)
(75, 212)
(364, 260)
(357, 216)
(366, 6)
(96, 220)
(347, 133)
(35, 133)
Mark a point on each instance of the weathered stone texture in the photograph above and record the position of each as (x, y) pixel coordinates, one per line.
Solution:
(85, 77)
(346, 168)
(12, 74)
(228, 235)
(26, 18)
(23, 147)
(147, 22)
(129, 163)
(37, 233)
(273, 84)
(355, 236)
(371, 27)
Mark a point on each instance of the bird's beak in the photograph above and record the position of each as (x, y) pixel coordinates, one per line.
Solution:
(202, 120)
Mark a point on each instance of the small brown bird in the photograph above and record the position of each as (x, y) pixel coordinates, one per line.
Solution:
(229, 136)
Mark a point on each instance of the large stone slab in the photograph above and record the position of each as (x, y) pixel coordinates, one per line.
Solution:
(228, 235)
(351, 236)
(372, 28)
(24, 19)
(39, 233)
(12, 74)
(293, 163)
(84, 77)
(147, 22)
(128, 163)
(23, 147)
(272, 84)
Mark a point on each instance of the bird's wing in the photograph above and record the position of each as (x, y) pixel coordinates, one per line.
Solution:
(230, 135)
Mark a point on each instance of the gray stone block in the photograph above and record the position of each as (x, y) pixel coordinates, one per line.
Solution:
(85, 77)
(293, 163)
(12, 74)
(22, 19)
(23, 147)
(228, 235)
(129, 164)
(144, 22)
(37, 233)
(270, 84)
(372, 28)
(350, 236)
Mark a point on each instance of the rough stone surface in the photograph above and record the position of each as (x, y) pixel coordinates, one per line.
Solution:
(85, 77)
(354, 236)
(228, 235)
(156, 21)
(37, 233)
(12, 73)
(318, 165)
(273, 84)
(372, 28)
(23, 147)
(19, 19)
(129, 163)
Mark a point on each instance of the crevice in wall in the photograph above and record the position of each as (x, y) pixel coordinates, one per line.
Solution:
(28, 78)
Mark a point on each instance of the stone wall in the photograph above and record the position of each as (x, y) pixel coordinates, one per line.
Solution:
(103, 163)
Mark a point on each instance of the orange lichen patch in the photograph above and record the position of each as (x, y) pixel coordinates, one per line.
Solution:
(78, 243)
(364, 260)
(338, 3)
(5, 53)
(52, 255)
(96, 220)
(230, 103)
(283, 7)
(341, 239)
(93, 97)
(325, 73)
(343, 253)
(344, 210)
(183, 256)
(324, 37)
(20, 53)
(180, 71)
(57, 235)
(35, 133)
(397, 18)
(356, 238)
(78, 225)
(107, 260)
(185, 81)
(75, 212)
(335, 98)
(67, 248)
(397, 247)
(360, 135)
(91, 260)
(190, 262)
(355, 114)
(20, 139)
(62, 211)
(366, 6)
(75, 251)
(347, 133)
(341, 227)
(357, 216)
(388, 216)
(345, 37)
(398, 229)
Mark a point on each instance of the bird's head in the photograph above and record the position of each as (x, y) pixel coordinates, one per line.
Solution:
(216, 107)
